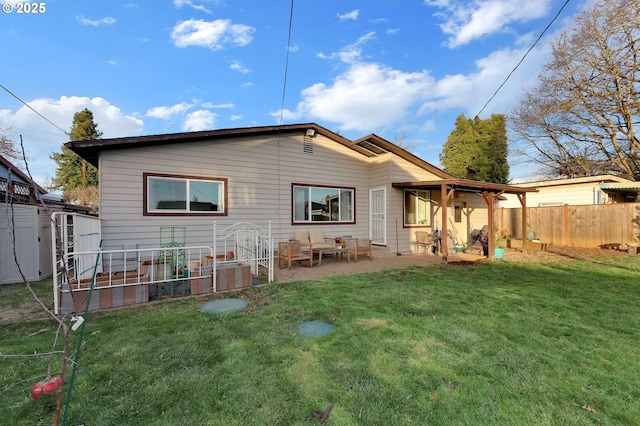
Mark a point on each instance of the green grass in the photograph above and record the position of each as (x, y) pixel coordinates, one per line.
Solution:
(494, 344)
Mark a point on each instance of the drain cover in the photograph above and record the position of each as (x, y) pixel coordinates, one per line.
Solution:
(315, 328)
(222, 306)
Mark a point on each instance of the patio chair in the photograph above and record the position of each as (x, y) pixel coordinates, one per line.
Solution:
(291, 250)
(358, 247)
(428, 241)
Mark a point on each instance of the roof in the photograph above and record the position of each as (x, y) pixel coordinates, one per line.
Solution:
(466, 186)
(573, 181)
(368, 146)
(16, 172)
(629, 186)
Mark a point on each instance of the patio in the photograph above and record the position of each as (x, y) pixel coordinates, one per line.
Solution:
(382, 260)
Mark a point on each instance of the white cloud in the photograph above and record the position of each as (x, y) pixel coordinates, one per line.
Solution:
(349, 16)
(104, 21)
(367, 96)
(220, 106)
(237, 66)
(468, 20)
(351, 53)
(190, 3)
(471, 92)
(372, 97)
(199, 120)
(41, 138)
(168, 112)
(235, 117)
(215, 35)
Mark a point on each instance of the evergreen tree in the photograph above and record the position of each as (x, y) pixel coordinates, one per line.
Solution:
(477, 149)
(74, 172)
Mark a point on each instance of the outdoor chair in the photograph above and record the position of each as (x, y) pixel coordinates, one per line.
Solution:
(357, 247)
(291, 250)
(428, 241)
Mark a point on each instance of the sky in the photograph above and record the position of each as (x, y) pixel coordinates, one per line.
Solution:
(402, 69)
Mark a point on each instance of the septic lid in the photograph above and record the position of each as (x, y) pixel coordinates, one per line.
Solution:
(222, 306)
(315, 328)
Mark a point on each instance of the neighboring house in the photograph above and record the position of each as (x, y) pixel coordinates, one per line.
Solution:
(25, 209)
(602, 189)
(291, 176)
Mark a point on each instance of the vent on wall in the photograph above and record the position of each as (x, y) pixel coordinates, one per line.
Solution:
(307, 145)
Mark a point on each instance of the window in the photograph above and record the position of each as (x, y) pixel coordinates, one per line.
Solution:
(417, 208)
(179, 195)
(323, 204)
(457, 214)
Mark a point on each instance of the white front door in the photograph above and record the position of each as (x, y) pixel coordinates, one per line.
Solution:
(377, 215)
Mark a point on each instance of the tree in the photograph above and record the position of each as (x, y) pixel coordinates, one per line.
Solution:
(579, 119)
(7, 145)
(74, 172)
(477, 149)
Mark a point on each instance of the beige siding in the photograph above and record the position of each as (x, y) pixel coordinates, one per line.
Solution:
(403, 239)
(259, 172)
(573, 194)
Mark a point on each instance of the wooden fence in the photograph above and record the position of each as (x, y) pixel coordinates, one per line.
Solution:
(590, 226)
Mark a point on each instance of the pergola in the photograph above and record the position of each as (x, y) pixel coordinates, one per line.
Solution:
(489, 192)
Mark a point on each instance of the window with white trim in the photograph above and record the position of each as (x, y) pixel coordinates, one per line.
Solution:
(179, 195)
(323, 204)
(417, 207)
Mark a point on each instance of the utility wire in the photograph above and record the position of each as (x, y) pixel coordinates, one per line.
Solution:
(286, 64)
(29, 106)
(515, 68)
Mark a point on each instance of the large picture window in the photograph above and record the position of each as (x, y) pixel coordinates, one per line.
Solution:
(183, 195)
(323, 204)
(417, 208)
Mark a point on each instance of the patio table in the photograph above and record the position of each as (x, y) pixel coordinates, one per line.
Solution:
(335, 252)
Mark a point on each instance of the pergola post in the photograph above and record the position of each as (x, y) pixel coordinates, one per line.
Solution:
(523, 202)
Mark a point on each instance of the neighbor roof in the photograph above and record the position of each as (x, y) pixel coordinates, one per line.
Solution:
(17, 174)
(369, 146)
(573, 181)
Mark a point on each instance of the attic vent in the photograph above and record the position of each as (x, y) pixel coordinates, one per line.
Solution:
(307, 145)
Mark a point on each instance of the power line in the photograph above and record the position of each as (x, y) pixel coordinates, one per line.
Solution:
(286, 63)
(29, 106)
(516, 67)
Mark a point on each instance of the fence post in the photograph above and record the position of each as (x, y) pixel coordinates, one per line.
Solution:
(565, 241)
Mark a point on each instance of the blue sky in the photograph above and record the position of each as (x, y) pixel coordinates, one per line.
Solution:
(403, 69)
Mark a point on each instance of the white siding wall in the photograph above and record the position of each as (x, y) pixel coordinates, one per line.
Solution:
(403, 240)
(259, 172)
(574, 194)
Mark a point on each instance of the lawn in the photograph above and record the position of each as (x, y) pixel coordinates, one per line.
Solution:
(499, 343)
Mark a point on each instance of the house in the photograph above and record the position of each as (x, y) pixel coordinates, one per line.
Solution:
(25, 212)
(297, 176)
(601, 189)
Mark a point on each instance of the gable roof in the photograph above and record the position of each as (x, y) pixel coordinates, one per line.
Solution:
(17, 175)
(369, 146)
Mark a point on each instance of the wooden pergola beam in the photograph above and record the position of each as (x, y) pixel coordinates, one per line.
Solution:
(446, 194)
(523, 202)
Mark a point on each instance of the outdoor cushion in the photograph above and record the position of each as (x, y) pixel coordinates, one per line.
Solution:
(302, 236)
(316, 238)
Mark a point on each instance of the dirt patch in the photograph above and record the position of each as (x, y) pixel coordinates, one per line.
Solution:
(561, 254)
